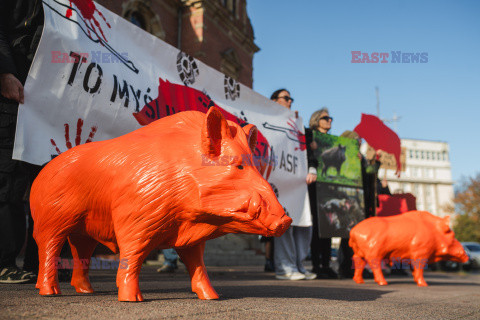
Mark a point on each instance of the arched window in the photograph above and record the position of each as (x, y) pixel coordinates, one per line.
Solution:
(137, 19)
(231, 6)
(140, 14)
(231, 64)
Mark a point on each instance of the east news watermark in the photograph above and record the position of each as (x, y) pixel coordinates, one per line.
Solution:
(95, 57)
(389, 57)
(394, 263)
(95, 263)
(243, 160)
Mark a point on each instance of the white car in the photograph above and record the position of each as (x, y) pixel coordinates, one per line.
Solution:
(473, 251)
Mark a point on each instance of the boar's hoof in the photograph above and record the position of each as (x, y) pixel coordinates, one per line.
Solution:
(382, 283)
(422, 284)
(205, 292)
(129, 295)
(358, 280)
(82, 286)
(48, 290)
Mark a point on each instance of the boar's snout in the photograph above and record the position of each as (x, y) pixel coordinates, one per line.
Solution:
(464, 257)
(281, 225)
(457, 253)
(269, 213)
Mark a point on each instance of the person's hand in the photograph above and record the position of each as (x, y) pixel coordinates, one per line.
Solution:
(11, 87)
(384, 182)
(311, 178)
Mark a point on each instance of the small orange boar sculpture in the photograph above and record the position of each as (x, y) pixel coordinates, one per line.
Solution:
(414, 238)
(175, 183)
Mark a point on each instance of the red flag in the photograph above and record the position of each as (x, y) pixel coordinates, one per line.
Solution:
(379, 136)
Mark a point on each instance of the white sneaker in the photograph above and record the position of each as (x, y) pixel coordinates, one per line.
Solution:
(310, 275)
(291, 276)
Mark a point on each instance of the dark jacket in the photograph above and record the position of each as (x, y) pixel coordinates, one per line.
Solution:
(369, 179)
(311, 160)
(21, 25)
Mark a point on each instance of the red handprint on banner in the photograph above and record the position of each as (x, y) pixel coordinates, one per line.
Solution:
(87, 9)
(78, 137)
(295, 131)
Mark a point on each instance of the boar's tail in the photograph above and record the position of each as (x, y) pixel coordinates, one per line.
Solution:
(352, 242)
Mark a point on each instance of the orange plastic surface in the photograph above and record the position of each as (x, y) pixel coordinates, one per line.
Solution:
(412, 239)
(175, 183)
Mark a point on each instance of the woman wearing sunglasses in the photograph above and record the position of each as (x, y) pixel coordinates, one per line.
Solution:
(291, 249)
(320, 247)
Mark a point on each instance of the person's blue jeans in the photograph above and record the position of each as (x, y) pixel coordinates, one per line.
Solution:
(291, 250)
(171, 257)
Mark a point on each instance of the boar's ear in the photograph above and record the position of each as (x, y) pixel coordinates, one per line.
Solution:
(446, 223)
(251, 132)
(215, 129)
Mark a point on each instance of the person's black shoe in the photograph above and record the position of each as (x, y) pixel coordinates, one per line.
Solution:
(398, 272)
(327, 273)
(64, 275)
(366, 274)
(345, 274)
(14, 275)
(269, 266)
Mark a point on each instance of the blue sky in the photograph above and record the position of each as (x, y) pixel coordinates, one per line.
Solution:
(306, 47)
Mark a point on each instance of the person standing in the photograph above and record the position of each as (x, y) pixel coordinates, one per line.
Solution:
(170, 263)
(21, 25)
(320, 247)
(291, 249)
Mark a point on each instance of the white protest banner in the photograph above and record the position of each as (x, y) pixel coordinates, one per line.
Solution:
(96, 76)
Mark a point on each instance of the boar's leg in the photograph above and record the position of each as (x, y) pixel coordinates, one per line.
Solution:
(82, 249)
(193, 259)
(418, 274)
(127, 277)
(359, 265)
(48, 255)
(376, 265)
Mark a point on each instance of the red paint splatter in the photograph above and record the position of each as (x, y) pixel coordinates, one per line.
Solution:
(174, 98)
(87, 9)
(78, 136)
(298, 134)
(93, 130)
(67, 136)
(55, 146)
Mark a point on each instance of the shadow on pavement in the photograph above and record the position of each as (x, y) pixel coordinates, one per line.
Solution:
(327, 293)
(432, 283)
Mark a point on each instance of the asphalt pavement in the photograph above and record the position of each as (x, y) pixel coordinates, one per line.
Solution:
(250, 293)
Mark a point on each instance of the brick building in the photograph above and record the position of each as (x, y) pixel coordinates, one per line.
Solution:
(216, 32)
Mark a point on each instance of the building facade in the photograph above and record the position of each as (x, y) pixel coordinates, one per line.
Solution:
(216, 32)
(427, 175)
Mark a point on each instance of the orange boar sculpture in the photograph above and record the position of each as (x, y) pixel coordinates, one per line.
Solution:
(412, 239)
(175, 183)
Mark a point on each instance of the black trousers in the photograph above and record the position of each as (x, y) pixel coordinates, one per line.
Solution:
(15, 180)
(345, 258)
(320, 247)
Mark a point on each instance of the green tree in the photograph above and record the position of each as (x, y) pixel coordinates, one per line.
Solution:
(467, 204)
